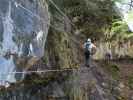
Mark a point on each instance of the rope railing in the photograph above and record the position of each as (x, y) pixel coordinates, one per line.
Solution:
(74, 81)
(55, 5)
(47, 70)
(40, 18)
(37, 16)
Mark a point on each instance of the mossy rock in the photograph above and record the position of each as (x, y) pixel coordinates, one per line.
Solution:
(121, 98)
(113, 70)
(60, 49)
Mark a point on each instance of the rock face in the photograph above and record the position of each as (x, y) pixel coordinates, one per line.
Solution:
(24, 27)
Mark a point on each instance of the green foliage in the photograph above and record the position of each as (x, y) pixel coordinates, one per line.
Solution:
(130, 81)
(117, 0)
(60, 49)
(130, 16)
(2, 91)
(120, 30)
(121, 98)
(113, 70)
(120, 1)
(92, 14)
(45, 60)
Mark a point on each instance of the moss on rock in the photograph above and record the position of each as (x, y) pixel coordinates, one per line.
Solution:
(61, 50)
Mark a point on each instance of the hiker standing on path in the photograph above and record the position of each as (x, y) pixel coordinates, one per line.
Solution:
(89, 49)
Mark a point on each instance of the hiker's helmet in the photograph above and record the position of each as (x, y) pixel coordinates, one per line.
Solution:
(89, 40)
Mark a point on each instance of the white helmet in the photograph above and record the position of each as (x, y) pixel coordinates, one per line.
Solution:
(88, 40)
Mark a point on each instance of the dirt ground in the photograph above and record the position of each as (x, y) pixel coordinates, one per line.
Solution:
(126, 71)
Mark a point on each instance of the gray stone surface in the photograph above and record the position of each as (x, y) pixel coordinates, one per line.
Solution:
(24, 27)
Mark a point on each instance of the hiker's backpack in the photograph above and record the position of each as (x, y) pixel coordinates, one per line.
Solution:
(88, 47)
